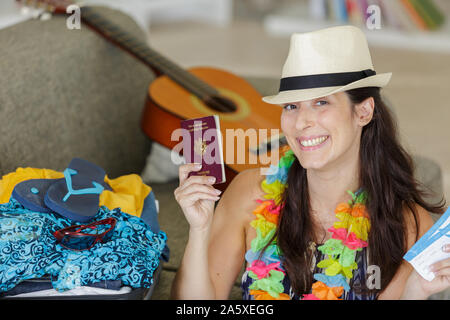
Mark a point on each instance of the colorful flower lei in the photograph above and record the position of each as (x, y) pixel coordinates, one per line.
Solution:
(349, 235)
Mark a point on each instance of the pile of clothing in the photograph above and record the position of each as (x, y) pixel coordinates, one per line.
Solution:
(77, 230)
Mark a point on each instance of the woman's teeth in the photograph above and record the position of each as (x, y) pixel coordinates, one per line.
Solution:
(313, 142)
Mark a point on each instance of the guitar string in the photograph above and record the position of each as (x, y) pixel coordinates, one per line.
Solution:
(179, 75)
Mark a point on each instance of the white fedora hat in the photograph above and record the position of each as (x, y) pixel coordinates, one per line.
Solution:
(324, 62)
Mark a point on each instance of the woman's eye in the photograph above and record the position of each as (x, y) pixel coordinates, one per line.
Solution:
(322, 102)
(289, 107)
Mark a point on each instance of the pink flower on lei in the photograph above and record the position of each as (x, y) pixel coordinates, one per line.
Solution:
(350, 240)
(262, 270)
(271, 206)
(353, 243)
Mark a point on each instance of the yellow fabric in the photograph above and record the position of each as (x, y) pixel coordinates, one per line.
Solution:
(10, 180)
(129, 192)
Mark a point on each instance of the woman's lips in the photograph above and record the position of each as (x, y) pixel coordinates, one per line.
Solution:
(316, 140)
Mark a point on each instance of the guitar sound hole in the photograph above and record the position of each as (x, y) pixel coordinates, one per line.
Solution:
(220, 104)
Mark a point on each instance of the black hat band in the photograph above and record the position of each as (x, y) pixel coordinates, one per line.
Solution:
(323, 80)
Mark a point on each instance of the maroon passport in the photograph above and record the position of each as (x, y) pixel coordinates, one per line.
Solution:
(202, 143)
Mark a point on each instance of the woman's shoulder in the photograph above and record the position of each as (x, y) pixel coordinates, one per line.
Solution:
(247, 183)
(241, 194)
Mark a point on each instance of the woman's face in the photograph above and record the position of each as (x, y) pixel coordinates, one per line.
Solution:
(322, 132)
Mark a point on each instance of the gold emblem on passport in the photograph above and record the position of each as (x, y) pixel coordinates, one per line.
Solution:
(200, 146)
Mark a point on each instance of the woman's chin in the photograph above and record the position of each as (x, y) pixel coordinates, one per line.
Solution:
(313, 165)
(315, 161)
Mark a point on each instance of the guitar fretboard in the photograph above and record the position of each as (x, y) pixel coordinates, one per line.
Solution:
(147, 55)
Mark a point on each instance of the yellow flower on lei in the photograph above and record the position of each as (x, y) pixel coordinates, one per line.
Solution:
(273, 190)
(263, 225)
(360, 226)
(333, 267)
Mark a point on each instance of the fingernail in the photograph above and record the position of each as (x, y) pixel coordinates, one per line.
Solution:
(211, 179)
(198, 166)
(445, 247)
(217, 191)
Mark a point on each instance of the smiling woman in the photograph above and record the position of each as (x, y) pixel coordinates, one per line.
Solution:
(341, 203)
(319, 129)
(361, 151)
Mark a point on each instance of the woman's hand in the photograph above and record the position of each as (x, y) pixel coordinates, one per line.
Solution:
(196, 197)
(419, 288)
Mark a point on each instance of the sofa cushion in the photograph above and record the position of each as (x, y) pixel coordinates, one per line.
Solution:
(70, 93)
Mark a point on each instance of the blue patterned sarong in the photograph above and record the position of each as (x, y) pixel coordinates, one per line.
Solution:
(29, 250)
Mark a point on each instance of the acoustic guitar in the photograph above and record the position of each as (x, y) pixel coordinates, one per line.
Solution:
(178, 94)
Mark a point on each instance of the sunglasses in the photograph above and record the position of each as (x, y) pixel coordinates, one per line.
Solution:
(84, 237)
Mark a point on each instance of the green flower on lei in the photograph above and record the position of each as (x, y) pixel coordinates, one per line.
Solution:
(272, 284)
(341, 259)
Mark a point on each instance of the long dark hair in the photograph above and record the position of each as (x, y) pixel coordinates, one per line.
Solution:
(386, 173)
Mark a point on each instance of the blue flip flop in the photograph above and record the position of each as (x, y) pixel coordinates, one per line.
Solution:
(31, 193)
(77, 195)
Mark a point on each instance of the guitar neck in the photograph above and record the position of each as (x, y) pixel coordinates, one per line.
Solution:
(158, 63)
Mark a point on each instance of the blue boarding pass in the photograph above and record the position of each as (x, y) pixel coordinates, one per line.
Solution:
(428, 249)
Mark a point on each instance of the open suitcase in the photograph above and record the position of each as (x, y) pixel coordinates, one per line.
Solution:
(42, 290)
(90, 107)
(115, 269)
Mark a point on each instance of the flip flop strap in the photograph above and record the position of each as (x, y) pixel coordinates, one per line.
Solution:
(68, 173)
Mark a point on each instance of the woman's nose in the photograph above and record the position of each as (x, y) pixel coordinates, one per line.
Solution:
(305, 118)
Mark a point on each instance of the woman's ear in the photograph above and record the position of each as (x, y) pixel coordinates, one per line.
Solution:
(364, 111)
